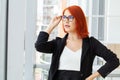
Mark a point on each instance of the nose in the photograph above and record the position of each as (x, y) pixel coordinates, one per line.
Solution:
(67, 20)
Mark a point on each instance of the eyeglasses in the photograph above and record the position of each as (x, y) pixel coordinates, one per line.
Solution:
(70, 18)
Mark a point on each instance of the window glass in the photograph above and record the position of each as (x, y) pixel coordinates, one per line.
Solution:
(98, 7)
(98, 22)
(46, 10)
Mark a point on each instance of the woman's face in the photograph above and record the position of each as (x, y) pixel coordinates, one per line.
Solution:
(68, 22)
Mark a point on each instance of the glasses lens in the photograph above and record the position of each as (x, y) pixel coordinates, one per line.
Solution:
(64, 17)
(70, 17)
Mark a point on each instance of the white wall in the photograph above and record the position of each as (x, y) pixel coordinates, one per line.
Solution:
(113, 21)
(21, 39)
(31, 15)
(2, 38)
(16, 26)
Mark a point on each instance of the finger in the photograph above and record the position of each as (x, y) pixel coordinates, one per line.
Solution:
(59, 17)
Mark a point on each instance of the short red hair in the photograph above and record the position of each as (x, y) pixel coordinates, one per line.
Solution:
(81, 23)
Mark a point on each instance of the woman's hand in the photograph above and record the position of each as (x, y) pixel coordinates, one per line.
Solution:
(54, 22)
(89, 78)
(93, 76)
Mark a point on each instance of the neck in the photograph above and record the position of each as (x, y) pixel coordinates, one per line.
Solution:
(73, 36)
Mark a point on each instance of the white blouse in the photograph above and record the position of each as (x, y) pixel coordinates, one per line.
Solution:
(70, 60)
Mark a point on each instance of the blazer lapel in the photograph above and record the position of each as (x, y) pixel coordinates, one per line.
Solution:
(85, 47)
(61, 47)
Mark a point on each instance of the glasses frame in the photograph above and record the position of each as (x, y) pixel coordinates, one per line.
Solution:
(69, 18)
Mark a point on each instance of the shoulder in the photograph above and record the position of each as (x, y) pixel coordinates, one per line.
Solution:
(92, 38)
(61, 40)
(96, 44)
(89, 39)
(92, 41)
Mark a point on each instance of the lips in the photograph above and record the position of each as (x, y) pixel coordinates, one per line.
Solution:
(67, 26)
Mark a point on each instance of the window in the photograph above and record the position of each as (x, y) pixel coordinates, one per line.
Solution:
(98, 19)
(47, 9)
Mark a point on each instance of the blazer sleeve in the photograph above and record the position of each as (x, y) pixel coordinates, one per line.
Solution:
(111, 59)
(43, 45)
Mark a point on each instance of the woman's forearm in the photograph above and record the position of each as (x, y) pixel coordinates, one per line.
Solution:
(49, 29)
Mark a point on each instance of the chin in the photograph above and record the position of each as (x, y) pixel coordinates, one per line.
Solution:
(67, 30)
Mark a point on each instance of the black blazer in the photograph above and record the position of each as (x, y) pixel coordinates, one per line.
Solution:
(90, 48)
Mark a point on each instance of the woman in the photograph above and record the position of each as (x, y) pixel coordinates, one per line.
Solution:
(73, 55)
